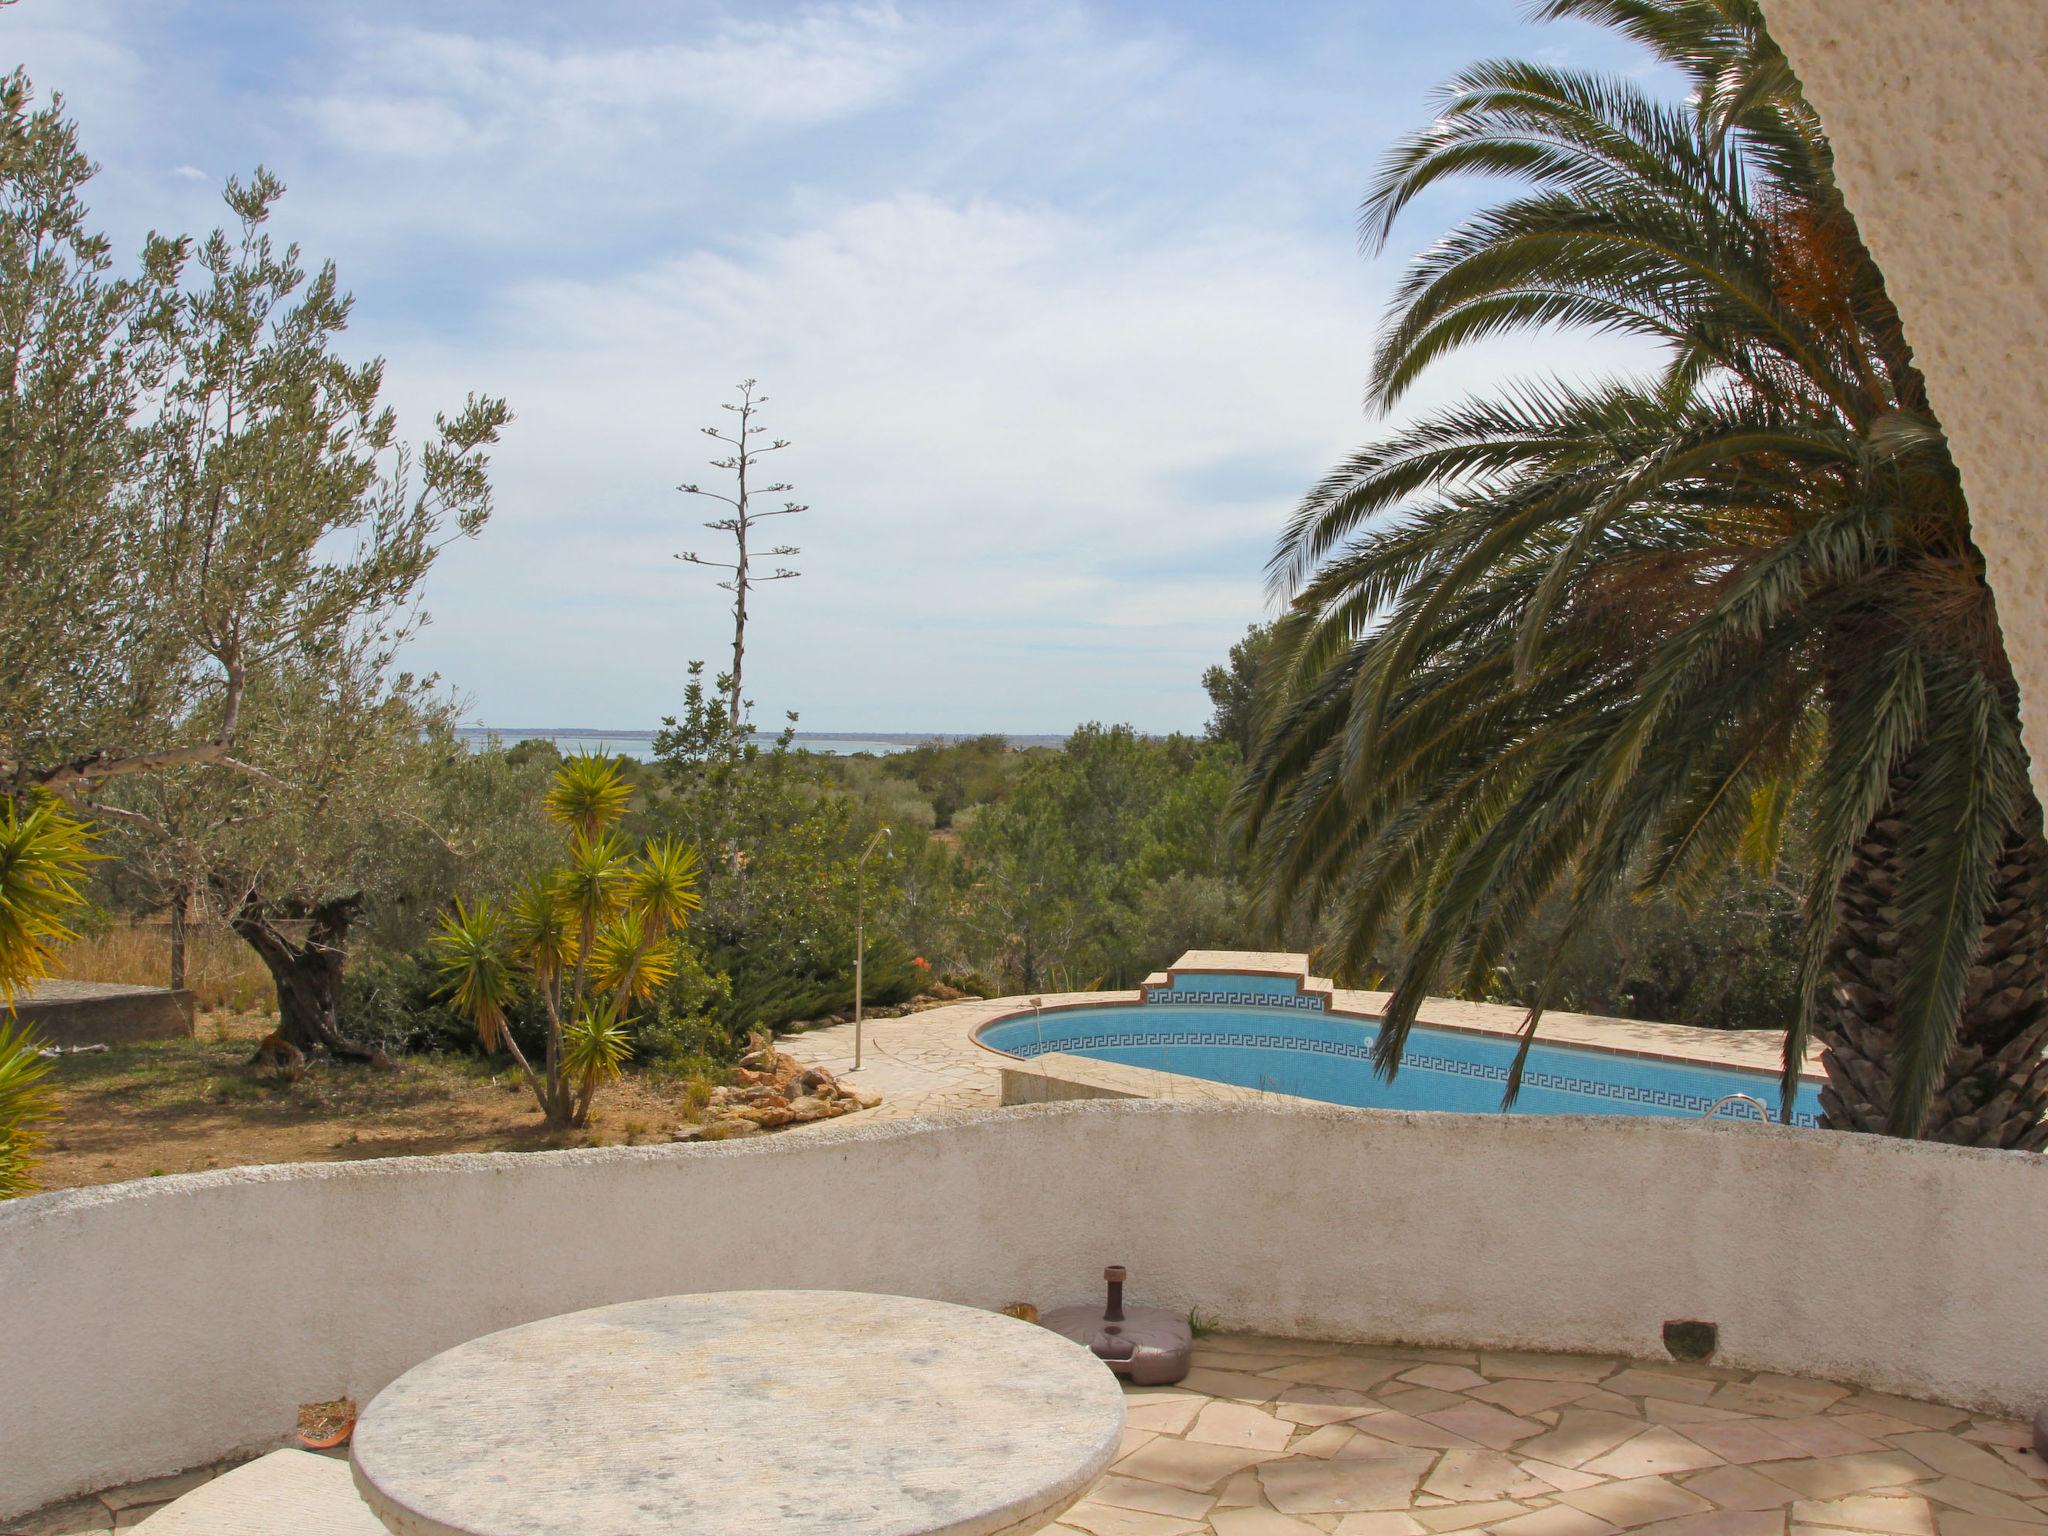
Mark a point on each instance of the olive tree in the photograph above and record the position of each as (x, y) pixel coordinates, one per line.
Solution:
(201, 484)
(214, 539)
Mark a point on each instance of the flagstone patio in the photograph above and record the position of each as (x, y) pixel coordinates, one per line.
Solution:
(1277, 1437)
(1283, 1437)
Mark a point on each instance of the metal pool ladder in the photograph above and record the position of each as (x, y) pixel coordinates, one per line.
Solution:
(1762, 1110)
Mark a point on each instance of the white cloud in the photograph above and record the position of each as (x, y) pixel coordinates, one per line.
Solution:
(402, 127)
(412, 91)
(1058, 306)
(190, 173)
(1001, 415)
(81, 49)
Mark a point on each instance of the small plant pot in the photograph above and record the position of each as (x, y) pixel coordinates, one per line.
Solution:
(323, 1426)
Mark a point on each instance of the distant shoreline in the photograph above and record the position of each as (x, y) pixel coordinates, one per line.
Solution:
(906, 738)
(840, 743)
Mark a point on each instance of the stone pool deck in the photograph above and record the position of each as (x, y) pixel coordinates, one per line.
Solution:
(924, 1063)
(1285, 1437)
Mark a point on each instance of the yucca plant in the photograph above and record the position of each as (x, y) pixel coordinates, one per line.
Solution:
(27, 1104)
(591, 940)
(44, 850)
(1577, 637)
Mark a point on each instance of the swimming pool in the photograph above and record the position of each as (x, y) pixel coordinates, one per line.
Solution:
(1289, 1044)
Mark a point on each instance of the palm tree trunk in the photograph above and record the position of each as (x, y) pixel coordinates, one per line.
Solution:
(1994, 1090)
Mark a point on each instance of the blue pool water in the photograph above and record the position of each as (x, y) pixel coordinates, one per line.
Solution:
(1289, 1045)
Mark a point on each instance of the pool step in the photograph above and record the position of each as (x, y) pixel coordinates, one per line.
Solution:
(1240, 978)
(286, 1491)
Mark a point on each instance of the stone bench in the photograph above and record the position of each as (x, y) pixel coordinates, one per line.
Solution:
(293, 1491)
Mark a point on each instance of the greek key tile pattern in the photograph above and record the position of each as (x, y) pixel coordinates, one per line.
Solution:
(1625, 1093)
(1300, 1000)
(1239, 992)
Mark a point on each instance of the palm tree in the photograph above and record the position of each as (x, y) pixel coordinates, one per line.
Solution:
(590, 940)
(1575, 638)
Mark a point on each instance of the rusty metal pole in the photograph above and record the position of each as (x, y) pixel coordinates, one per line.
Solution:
(860, 948)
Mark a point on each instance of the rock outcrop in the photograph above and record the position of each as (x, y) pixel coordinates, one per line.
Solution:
(773, 1090)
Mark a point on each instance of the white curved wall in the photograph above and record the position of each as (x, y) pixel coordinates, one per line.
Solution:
(1936, 111)
(158, 1324)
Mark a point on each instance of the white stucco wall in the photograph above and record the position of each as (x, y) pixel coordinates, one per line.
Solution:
(1938, 111)
(157, 1324)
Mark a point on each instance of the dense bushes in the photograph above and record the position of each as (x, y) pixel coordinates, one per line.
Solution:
(1092, 864)
(770, 996)
(1011, 871)
(392, 1000)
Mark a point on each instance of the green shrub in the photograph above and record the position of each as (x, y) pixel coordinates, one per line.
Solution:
(971, 982)
(770, 992)
(392, 1001)
(682, 1030)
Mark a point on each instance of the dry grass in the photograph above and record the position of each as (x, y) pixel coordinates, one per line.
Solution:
(222, 971)
(181, 1106)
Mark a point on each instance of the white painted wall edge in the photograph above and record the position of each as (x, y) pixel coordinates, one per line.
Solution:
(163, 1323)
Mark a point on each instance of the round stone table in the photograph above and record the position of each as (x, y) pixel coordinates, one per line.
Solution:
(743, 1413)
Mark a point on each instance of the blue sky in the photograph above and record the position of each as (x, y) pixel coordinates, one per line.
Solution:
(1059, 304)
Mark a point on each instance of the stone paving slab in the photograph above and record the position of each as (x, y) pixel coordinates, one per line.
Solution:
(1305, 1438)
(119, 1508)
(1517, 1454)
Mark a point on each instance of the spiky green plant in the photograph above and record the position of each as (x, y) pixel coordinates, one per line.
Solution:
(595, 1048)
(628, 960)
(589, 793)
(590, 940)
(664, 885)
(540, 931)
(471, 953)
(44, 850)
(27, 1105)
(1576, 637)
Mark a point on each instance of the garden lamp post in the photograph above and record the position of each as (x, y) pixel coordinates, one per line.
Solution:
(860, 892)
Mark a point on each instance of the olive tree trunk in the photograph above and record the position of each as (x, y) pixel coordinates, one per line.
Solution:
(306, 971)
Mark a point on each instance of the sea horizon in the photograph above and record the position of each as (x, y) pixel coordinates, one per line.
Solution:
(640, 743)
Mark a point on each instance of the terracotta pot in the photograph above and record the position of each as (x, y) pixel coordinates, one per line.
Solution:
(329, 1442)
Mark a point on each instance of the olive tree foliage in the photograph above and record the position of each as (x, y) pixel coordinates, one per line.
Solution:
(196, 486)
(212, 539)
(77, 652)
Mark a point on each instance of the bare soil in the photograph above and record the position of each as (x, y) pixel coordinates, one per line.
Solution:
(179, 1106)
